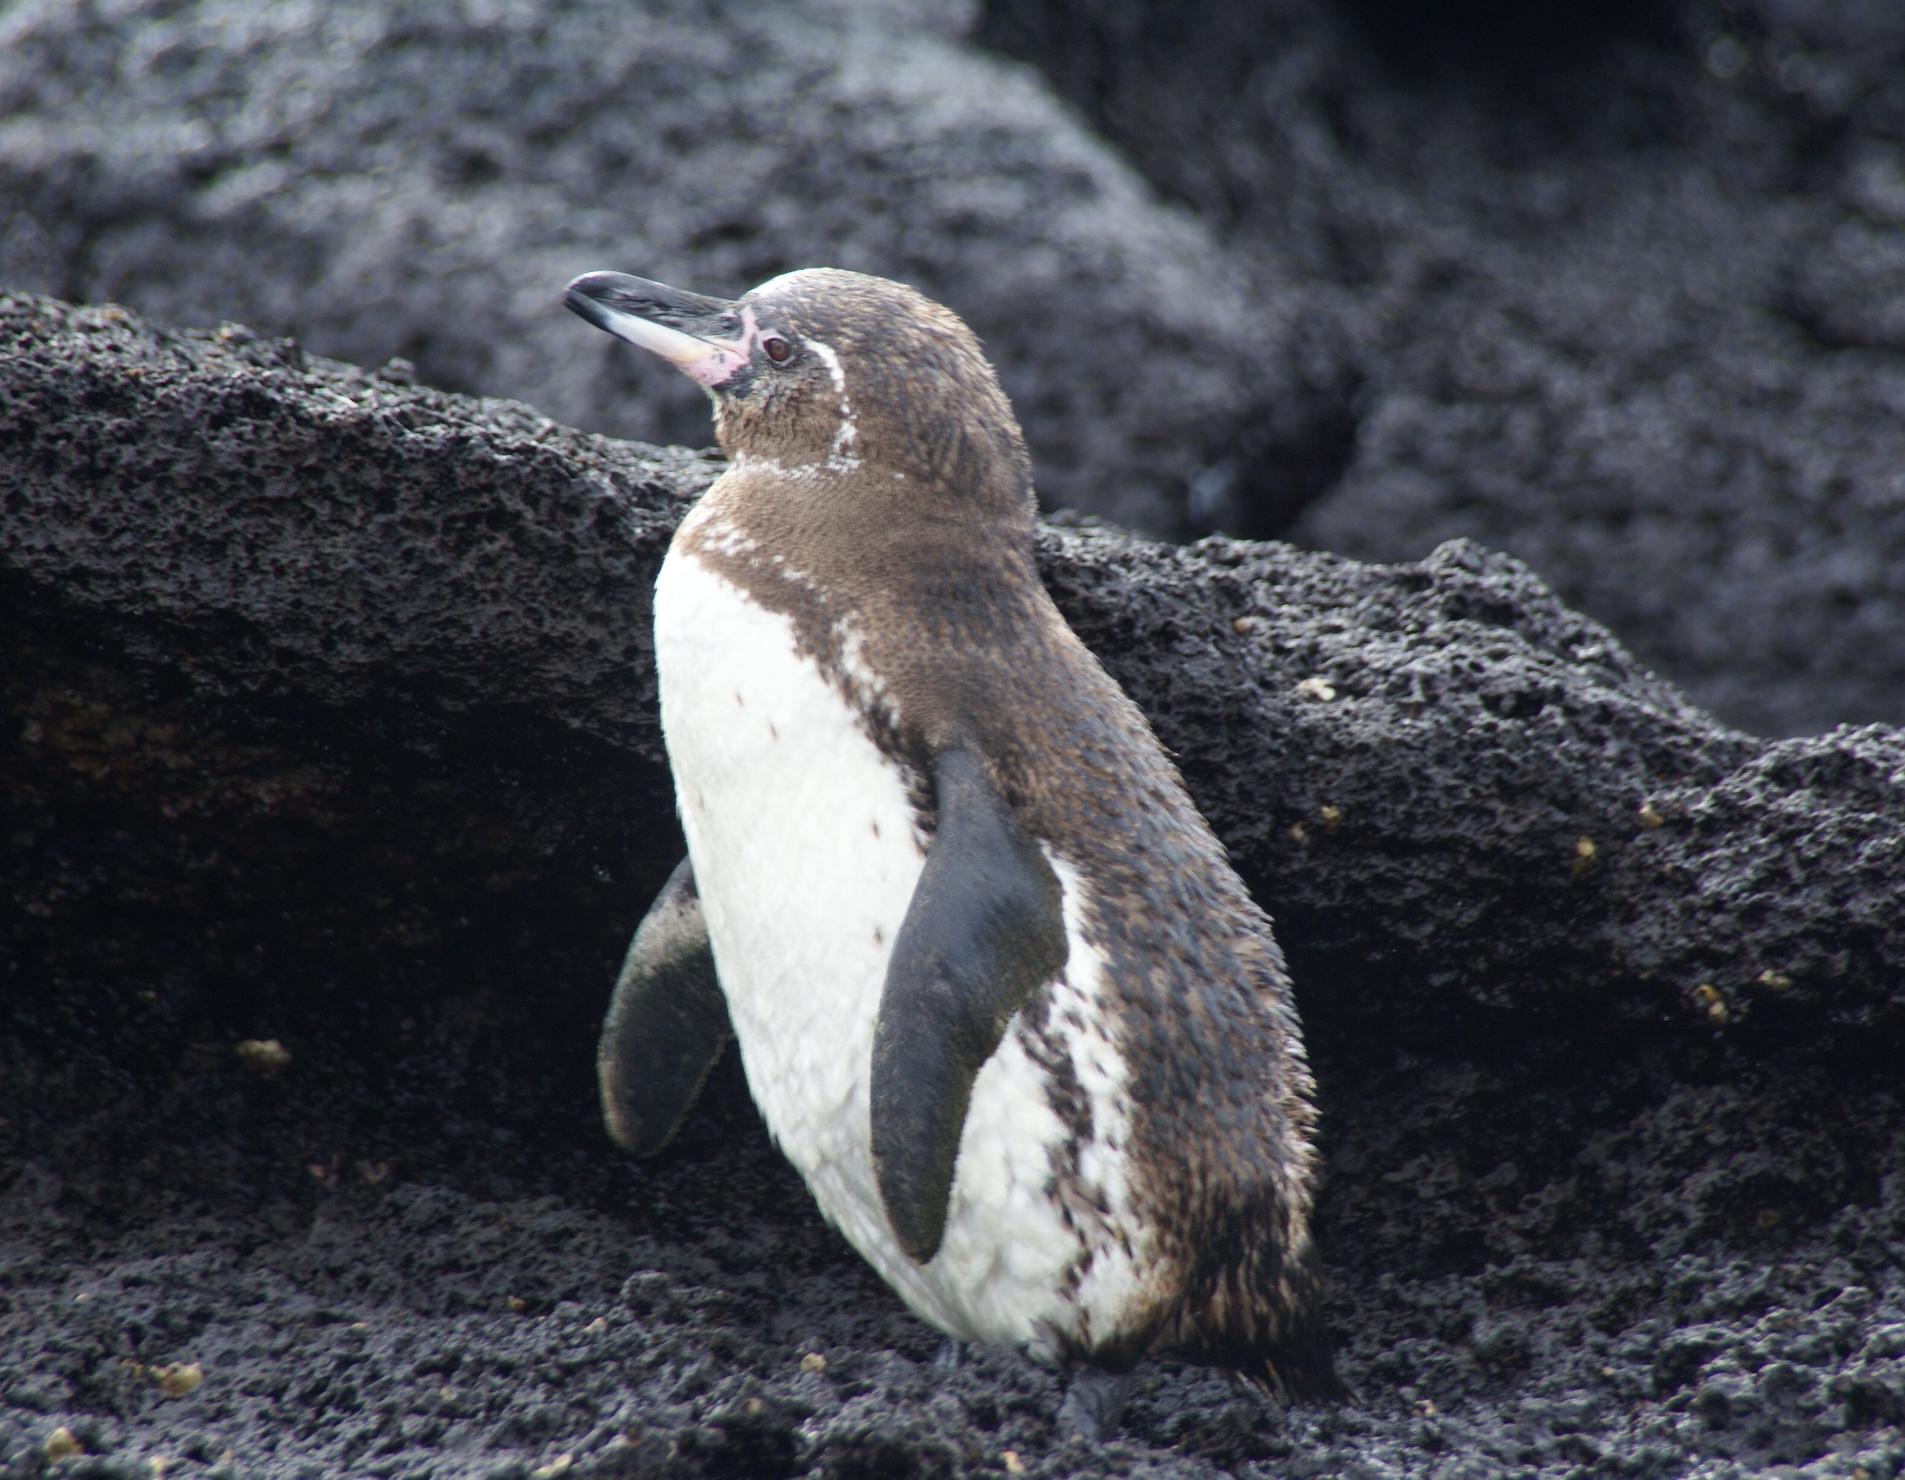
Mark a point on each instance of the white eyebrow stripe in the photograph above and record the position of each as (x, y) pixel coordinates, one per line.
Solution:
(839, 458)
(834, 367)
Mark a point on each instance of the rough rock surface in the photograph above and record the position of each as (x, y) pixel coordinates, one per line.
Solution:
(1614, 287)
(419, 178)
(328, 721)
(1619, 286)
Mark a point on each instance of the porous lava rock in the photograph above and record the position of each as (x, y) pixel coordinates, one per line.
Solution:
(418, 178)
(1617, 285)
(333, 792)
(1613, 287)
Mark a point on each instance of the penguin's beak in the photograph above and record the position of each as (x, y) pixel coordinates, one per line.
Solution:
(707, 339)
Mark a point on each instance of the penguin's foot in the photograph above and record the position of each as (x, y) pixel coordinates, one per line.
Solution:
(1094, 1405)
(951, 1354)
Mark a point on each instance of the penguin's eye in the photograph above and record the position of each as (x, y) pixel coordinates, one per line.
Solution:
(778, 349)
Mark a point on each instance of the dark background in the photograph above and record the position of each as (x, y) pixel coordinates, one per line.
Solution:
(325, 715)
(1616, 287)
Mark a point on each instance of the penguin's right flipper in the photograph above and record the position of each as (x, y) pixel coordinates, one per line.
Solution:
(984, 931)
(667, 1022)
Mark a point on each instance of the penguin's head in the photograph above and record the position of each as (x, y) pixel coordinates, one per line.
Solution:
(826, 372)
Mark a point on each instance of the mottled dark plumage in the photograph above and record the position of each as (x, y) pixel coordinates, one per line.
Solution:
(880, 499)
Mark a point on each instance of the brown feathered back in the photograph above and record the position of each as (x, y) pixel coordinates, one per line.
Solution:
(882, 497)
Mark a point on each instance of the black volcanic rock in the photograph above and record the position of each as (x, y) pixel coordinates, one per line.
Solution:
(1613, 287)
(419, 178)
(329, 721)
(1619, 285)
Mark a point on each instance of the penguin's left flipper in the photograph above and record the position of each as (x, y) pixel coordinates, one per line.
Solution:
(985, 929)
(667, 1022)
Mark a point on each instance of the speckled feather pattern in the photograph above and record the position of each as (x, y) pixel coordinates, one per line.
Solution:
(902, 581)
(806, 853)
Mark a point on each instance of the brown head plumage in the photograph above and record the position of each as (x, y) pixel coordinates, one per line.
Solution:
(880, 497)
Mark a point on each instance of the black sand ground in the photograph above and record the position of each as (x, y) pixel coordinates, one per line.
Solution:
(329, 723)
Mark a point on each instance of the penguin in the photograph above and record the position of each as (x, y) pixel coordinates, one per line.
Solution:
(999, 996)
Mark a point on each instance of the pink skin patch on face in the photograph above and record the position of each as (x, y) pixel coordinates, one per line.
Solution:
(725, 357)
(722, 360)
(709, 362)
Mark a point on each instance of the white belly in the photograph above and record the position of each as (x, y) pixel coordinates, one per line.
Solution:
(805, 859)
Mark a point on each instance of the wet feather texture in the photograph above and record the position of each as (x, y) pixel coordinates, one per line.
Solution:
(830, 632)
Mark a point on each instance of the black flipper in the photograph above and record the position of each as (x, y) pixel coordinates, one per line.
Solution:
(667, 1022)
(984, 931)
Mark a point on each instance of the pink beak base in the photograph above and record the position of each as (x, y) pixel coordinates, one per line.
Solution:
(706, 361)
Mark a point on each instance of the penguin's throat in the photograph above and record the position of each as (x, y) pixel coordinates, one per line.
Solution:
(795, 465)
(808, 431)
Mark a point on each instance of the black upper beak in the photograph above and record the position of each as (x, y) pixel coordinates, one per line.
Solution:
(608, 299)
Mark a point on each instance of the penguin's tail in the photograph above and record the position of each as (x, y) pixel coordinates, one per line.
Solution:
(1294, 1382)
(1292, 1362)
(1263, 1321)
(1299, 1368)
